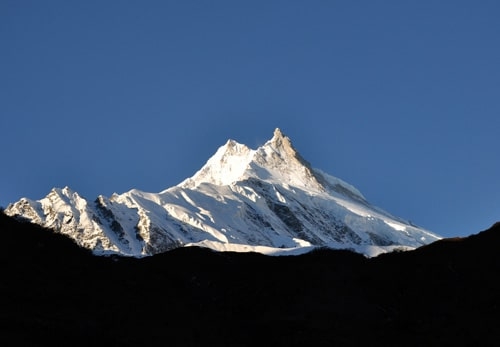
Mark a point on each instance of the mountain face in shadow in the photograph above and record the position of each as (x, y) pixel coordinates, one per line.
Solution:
(55, 293)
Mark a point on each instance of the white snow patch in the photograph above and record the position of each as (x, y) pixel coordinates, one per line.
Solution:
(396, 226)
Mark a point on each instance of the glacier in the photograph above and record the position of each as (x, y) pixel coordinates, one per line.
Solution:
(268, 200)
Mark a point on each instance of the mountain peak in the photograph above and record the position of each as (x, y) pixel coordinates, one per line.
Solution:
(227, 165)
(277, 160)
(231, 148)
(280, 149)
(242, 199)
(278, 134)
(280, 141)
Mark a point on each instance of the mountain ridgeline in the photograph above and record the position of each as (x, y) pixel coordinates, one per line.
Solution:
(54, 292)
(269, 200)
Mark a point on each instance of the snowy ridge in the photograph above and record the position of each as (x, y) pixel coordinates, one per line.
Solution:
(269, 200)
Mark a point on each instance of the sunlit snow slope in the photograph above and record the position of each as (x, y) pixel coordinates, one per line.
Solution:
(268, 200)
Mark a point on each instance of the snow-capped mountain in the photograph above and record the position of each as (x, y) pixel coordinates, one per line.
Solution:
(269, 200)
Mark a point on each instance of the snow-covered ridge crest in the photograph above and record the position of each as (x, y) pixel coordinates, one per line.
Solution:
(267, 200)
(226, 166)
(276, 161)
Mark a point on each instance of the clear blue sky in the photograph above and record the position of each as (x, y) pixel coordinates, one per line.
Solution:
(399, 98)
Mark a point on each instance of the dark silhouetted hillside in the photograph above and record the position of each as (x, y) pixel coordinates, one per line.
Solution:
(54, 293)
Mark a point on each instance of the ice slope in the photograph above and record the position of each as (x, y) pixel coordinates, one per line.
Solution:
(269, 200)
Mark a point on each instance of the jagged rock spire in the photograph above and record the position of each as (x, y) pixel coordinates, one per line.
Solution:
(279, 139)
(283, 145)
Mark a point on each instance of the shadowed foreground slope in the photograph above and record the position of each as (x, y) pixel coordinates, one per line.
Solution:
(54, 293)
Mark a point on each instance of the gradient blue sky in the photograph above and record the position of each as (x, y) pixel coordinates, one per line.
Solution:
(399, 98)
